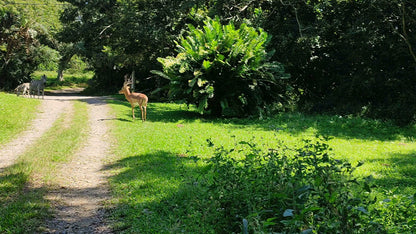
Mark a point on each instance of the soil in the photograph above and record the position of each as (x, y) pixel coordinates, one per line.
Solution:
(81, 189)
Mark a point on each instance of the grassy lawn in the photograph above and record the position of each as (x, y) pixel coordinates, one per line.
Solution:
(158, 162)
(15, 113)
(23, 185)
(71, 80)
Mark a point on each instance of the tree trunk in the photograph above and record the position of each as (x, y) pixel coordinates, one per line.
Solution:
(133, 79)
(60, 75)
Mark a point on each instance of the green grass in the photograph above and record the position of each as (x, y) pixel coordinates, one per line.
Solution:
(16, 112)
(71, 80)
(22, 209)
(23, 185)
(158, 161)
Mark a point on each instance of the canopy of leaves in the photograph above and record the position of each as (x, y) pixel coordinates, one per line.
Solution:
(43, 15)
(348, 57)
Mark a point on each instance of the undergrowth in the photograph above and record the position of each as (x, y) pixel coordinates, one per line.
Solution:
(298, 190)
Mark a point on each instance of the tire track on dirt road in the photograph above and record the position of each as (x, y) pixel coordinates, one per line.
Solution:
(80, 188)
(81, 183)
(46, 117)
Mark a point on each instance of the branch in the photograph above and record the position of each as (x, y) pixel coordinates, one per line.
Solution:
(245, 7)
(105, 28)
(296, 16)
(405, 36)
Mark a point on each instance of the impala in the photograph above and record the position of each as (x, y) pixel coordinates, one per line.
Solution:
(135, 99)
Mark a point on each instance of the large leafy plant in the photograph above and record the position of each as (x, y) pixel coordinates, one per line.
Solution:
(225, 71)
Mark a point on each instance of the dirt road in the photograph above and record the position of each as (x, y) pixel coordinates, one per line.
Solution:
(81, 184)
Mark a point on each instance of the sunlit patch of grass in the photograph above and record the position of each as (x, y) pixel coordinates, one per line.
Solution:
(15, 114)
(158, 161)
(71, 80)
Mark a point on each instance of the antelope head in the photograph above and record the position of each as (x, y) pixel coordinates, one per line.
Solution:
(126, 84)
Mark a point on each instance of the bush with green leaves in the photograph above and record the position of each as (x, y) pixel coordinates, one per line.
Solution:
(397, 212)
(20, 52)
(288, 190)
(225, 71)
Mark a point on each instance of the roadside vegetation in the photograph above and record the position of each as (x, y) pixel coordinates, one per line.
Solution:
(179, 172)
(23, 208)
(15, 114)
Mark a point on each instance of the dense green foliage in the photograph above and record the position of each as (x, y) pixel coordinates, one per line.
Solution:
(362, 61)
(114, 44)
(18, 49)
(225, 70)
(26, 31)
(41, 14)
(345, 57)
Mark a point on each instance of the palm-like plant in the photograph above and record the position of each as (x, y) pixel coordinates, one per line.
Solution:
(224, 70)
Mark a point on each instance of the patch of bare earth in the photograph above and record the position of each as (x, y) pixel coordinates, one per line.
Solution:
(81, 184)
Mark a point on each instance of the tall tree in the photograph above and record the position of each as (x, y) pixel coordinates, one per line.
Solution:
(121, 36)
(19, 48)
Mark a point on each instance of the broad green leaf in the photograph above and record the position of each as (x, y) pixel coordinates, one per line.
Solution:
(206, 64)
(161, 74)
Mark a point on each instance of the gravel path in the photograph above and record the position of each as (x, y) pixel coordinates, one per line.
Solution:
(81, 183)
(45, 119)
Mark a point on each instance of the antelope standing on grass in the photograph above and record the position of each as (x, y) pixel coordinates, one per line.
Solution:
(39, 86)
(135, 99)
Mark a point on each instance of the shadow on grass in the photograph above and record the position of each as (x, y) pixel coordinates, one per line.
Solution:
(158, 112)
(291, 123)
(158, 193)
(22, 209)
(333, 126)
(400, 172)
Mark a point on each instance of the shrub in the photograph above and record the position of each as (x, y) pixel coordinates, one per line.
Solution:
(225, 71)
(288, 190)
(396, 212)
